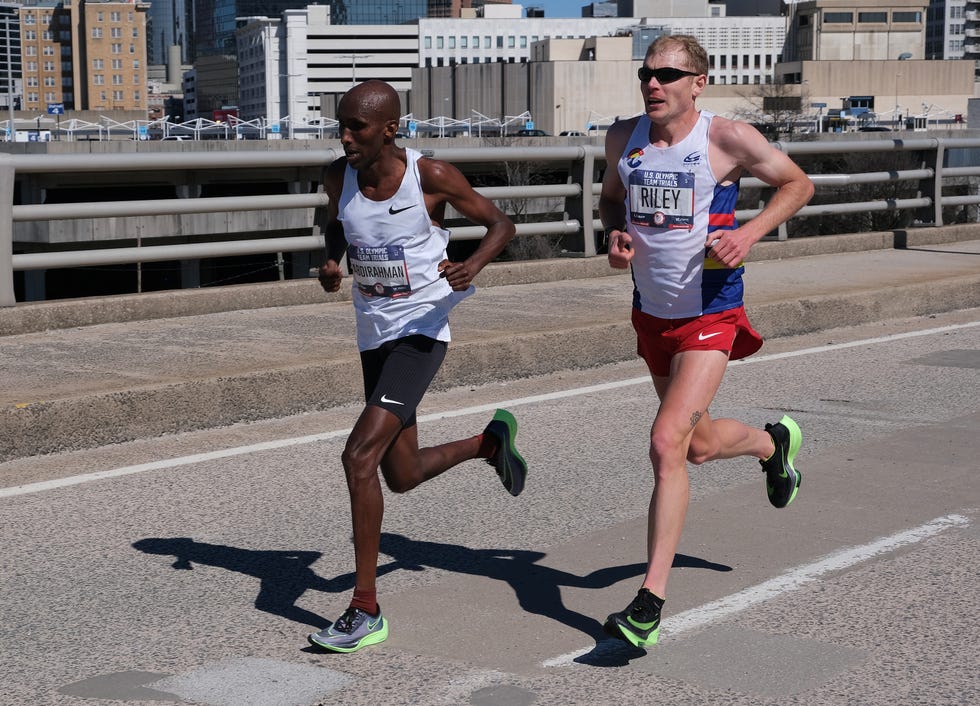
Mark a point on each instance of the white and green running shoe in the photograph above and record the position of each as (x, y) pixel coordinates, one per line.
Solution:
(509, 464)
(782, 478)
(352, 631)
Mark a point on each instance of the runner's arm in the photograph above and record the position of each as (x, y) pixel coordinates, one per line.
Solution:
(612, 198)
(444, 183)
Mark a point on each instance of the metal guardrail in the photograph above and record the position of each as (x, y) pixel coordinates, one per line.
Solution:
(579, 195)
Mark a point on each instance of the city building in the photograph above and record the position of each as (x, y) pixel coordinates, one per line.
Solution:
(971, 44)
(945, 29)
(837, 30)
(376, 12)
(10, 57)
(110, 57)
(168, 24)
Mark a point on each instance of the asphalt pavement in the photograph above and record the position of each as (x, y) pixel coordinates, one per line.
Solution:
(171, 362)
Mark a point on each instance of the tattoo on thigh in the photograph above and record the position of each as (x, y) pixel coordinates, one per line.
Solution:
(695, 418)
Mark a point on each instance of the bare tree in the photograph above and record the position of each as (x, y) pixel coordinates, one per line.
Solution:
(777, 109)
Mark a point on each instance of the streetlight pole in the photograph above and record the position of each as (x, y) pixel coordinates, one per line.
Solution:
(353, 65)
(897, 113)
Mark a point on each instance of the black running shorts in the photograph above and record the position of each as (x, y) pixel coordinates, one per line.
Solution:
(397, 374)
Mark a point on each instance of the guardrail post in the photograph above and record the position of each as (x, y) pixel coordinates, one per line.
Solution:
(933, 188)
(580, 207)
(6, 231)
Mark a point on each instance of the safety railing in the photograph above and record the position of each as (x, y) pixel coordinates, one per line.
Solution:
(578, 194)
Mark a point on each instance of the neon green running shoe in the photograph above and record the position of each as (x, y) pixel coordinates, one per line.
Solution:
(352, 631)
(509, 464)
(782, 478)
(639, 624)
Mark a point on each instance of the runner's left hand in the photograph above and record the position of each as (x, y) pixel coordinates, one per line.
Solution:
(457, 274)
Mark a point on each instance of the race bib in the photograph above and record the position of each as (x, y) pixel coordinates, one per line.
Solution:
(662, 199)
(380, 272)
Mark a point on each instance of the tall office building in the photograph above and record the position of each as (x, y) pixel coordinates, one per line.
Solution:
(10, 56)
(945, 29)
(168, 23)
(376, 12)
(215, 21)
(109, 38)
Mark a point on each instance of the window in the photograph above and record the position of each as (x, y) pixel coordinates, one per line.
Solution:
(117, 79)
(96, 33)
(838, 17)
(487, 43)
(452, 42)
(29, 19)
(428, 42)
(136, 32)
(439, 42)
(115, 32)
(117, 48)
(906, 17)
(879, 17)
(116, 64)
(523, 42)
(49, 81)
(464, 42)
(136, 96)
(511, 42)
(47, 35)
(500, 42)
(30, 51)
(31, 81)
(117, 95)
(114, 17)
(30, 35)
(49, 50)
(98, 79)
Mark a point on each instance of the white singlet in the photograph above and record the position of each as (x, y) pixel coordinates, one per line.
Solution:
(394, 251)
(672, 202)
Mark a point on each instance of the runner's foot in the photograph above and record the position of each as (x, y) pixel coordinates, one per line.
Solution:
(352, 631)
(509, 464)
(639, 623)
(782, 479)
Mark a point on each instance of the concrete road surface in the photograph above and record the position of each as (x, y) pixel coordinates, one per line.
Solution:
(188, 569)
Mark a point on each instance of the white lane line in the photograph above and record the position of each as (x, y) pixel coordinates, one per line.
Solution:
(479, 409)
(789, 581)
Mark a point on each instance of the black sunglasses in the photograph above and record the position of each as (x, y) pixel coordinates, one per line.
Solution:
(665, 74)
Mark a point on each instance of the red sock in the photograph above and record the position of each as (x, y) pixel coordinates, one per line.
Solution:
(366, 600)
(488, 446)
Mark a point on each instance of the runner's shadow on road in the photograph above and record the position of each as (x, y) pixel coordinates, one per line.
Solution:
(537, 587)
(284, 576)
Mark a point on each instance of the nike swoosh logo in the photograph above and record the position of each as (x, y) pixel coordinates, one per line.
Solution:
(384, 398)
(373, 624)
(705, 336)
(393, 211)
